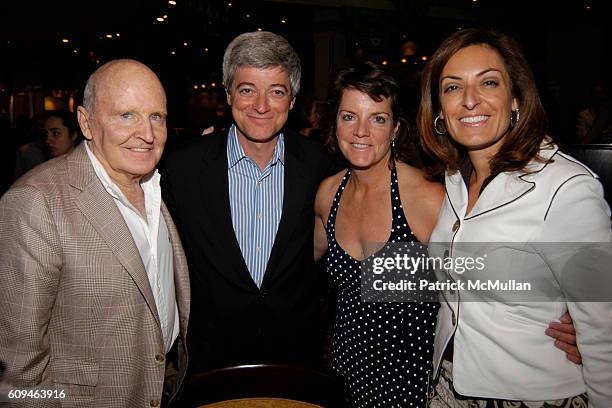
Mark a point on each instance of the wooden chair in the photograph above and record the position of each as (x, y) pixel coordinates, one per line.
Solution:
(263, 386)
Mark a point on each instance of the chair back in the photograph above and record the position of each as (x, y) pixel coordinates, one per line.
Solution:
(264, 385)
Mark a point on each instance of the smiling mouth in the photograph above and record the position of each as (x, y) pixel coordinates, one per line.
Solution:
(360, 145)
(140, 149)
(474, 120)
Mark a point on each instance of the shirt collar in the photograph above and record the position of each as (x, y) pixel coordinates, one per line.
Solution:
(235, 152)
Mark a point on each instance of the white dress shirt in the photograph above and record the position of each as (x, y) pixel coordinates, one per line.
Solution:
(153, 242)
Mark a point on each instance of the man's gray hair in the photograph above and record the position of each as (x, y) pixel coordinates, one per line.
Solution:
(261, 49)
(89, 95)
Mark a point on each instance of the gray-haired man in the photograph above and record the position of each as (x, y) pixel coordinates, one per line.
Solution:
(243, 203)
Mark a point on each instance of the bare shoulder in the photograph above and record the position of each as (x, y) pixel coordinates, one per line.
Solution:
(421, 199)
(326, 192)
(413, 180)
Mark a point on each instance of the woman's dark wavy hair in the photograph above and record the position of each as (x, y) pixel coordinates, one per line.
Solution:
(371, 79)
(524, 138)
(69, 120)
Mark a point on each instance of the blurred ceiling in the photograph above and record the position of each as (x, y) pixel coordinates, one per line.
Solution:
(57, 43)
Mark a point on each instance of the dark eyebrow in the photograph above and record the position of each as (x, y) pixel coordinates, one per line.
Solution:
(486, 71)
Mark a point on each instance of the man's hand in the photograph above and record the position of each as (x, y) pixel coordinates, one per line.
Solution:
(564, 334)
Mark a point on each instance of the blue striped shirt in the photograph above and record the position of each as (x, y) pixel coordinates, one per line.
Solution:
(256, 202)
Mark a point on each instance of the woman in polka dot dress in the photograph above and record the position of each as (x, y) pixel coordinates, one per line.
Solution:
(382, 350)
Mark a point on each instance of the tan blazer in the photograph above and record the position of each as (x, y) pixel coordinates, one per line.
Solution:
(76, 309)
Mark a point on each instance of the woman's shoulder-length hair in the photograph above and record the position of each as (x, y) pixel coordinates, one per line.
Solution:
(374, 81)
(525, 136)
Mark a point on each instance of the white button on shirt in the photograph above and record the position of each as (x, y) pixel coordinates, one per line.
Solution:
(153, 242)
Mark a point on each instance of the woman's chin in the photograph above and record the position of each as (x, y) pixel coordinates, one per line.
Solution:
(366, 165)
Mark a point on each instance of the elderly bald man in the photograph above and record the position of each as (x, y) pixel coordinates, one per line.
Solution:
(95, 288)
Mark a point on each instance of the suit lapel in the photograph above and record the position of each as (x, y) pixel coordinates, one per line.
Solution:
(295, 191)
(214, 183)
(504, 189)
(100, 210)
(181, 272)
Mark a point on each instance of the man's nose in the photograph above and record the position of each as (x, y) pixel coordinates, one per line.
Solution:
(147, 133)
(261, 103)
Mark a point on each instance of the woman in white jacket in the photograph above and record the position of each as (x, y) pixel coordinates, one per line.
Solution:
(507, 182)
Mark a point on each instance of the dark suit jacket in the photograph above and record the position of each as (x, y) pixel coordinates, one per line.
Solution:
(234, 321)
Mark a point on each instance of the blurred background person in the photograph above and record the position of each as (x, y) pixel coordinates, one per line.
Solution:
(593, 124)
(305, 117)
(62, 132)
(34, 151)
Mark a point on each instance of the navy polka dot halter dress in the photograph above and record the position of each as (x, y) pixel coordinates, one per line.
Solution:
(382, 350)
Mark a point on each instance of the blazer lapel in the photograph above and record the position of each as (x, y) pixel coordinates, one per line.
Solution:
(181, 272)
(214, 183)
(457, 193)
(295, 187)
(504, 189)
(99, 209)
(501, 191)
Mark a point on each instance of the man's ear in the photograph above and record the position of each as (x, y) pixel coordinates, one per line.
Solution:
(292, 103)
(84, 122)
(227, 97)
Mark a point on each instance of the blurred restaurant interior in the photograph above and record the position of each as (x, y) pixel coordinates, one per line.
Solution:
(49, 48)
